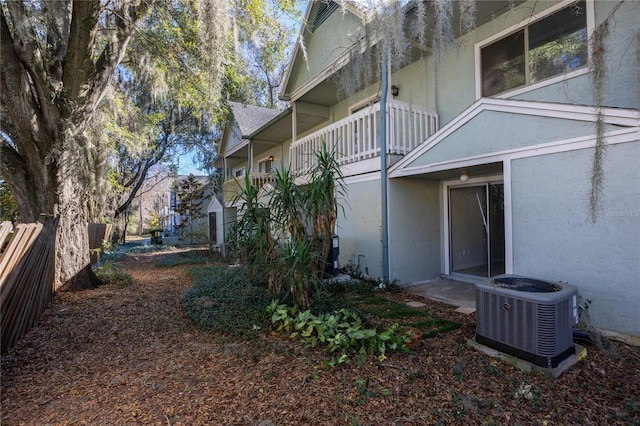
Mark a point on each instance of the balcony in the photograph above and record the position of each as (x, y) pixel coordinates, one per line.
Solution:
(233, 187)
(357, 137)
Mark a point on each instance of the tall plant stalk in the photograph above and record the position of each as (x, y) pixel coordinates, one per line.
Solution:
(287, 205)
(252, 234)
(322, 203)
(304, 216)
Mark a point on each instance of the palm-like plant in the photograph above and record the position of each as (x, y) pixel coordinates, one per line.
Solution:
(254, 240)
(306, 214)
(322, 192)
(287, 205)
(300, 258)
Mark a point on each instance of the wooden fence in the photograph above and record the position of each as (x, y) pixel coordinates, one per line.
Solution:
(26, 277)
(97, 233)
(26, 273)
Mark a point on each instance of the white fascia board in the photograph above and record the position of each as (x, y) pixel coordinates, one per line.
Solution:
(294, 54)
(214, 205)
(362, 178)
(441, 134)
(611, 138)
(615, 116)
(587, 113)
(222, 135)
(236, 148)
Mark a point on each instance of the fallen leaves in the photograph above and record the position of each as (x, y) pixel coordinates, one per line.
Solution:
(130, 356)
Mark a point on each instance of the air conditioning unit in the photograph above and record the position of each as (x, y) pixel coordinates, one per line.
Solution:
(528, 318)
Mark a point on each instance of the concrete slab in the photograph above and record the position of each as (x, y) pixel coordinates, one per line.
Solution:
(416, 304)
(447, 291)
(340, 278)
(581, 353)
(465, 310)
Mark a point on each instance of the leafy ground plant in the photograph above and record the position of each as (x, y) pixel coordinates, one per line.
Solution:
(385, 309)
(111, 274)
(342, 331)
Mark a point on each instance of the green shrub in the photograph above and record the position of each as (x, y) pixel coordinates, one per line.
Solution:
(222, 299)
(109, 274)
(342, 331)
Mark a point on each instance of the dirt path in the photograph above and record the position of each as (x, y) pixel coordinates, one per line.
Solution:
(122, 356)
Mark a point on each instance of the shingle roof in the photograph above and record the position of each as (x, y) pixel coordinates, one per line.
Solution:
(250, 118)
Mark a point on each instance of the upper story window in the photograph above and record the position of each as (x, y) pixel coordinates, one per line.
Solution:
(549, 47)
(266, 165)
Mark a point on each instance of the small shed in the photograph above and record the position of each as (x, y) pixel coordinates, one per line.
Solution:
(216, 222)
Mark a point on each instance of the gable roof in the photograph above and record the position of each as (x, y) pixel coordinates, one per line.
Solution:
(316, 13)
(470, 125)
(250, 117)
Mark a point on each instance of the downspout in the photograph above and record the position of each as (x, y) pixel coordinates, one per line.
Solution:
(293, 160)
(224, 207)
(383, 164)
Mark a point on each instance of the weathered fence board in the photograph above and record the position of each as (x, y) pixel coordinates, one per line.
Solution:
(27, 266)
(97, 233)
(23, 237)
(5, 230)
(26, 289)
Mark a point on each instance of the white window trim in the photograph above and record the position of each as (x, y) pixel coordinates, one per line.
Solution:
(264, 160)
(590, 9)
(239, 169)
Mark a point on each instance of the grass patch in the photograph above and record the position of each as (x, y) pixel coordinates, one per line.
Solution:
(186, 258)
(222, 299)
(384, 308)
(434, 326)
(369, 302)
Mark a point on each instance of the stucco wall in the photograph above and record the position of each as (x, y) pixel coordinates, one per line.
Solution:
(493, 131)
(622, 87)
(416, 83)
(324, 45)
(280, 155)
(456, 74)
(414, 229)
(554, 238)
(359, 231)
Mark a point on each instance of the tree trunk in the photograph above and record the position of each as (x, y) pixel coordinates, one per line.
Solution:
(50, 93)
(73, 264)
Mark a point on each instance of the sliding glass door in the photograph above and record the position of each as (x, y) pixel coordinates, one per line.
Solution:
(476, 229)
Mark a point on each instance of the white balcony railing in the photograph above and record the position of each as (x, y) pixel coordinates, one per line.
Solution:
(357, 137)
(231, 188)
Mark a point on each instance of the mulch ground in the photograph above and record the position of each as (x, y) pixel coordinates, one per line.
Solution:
(123, 356)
